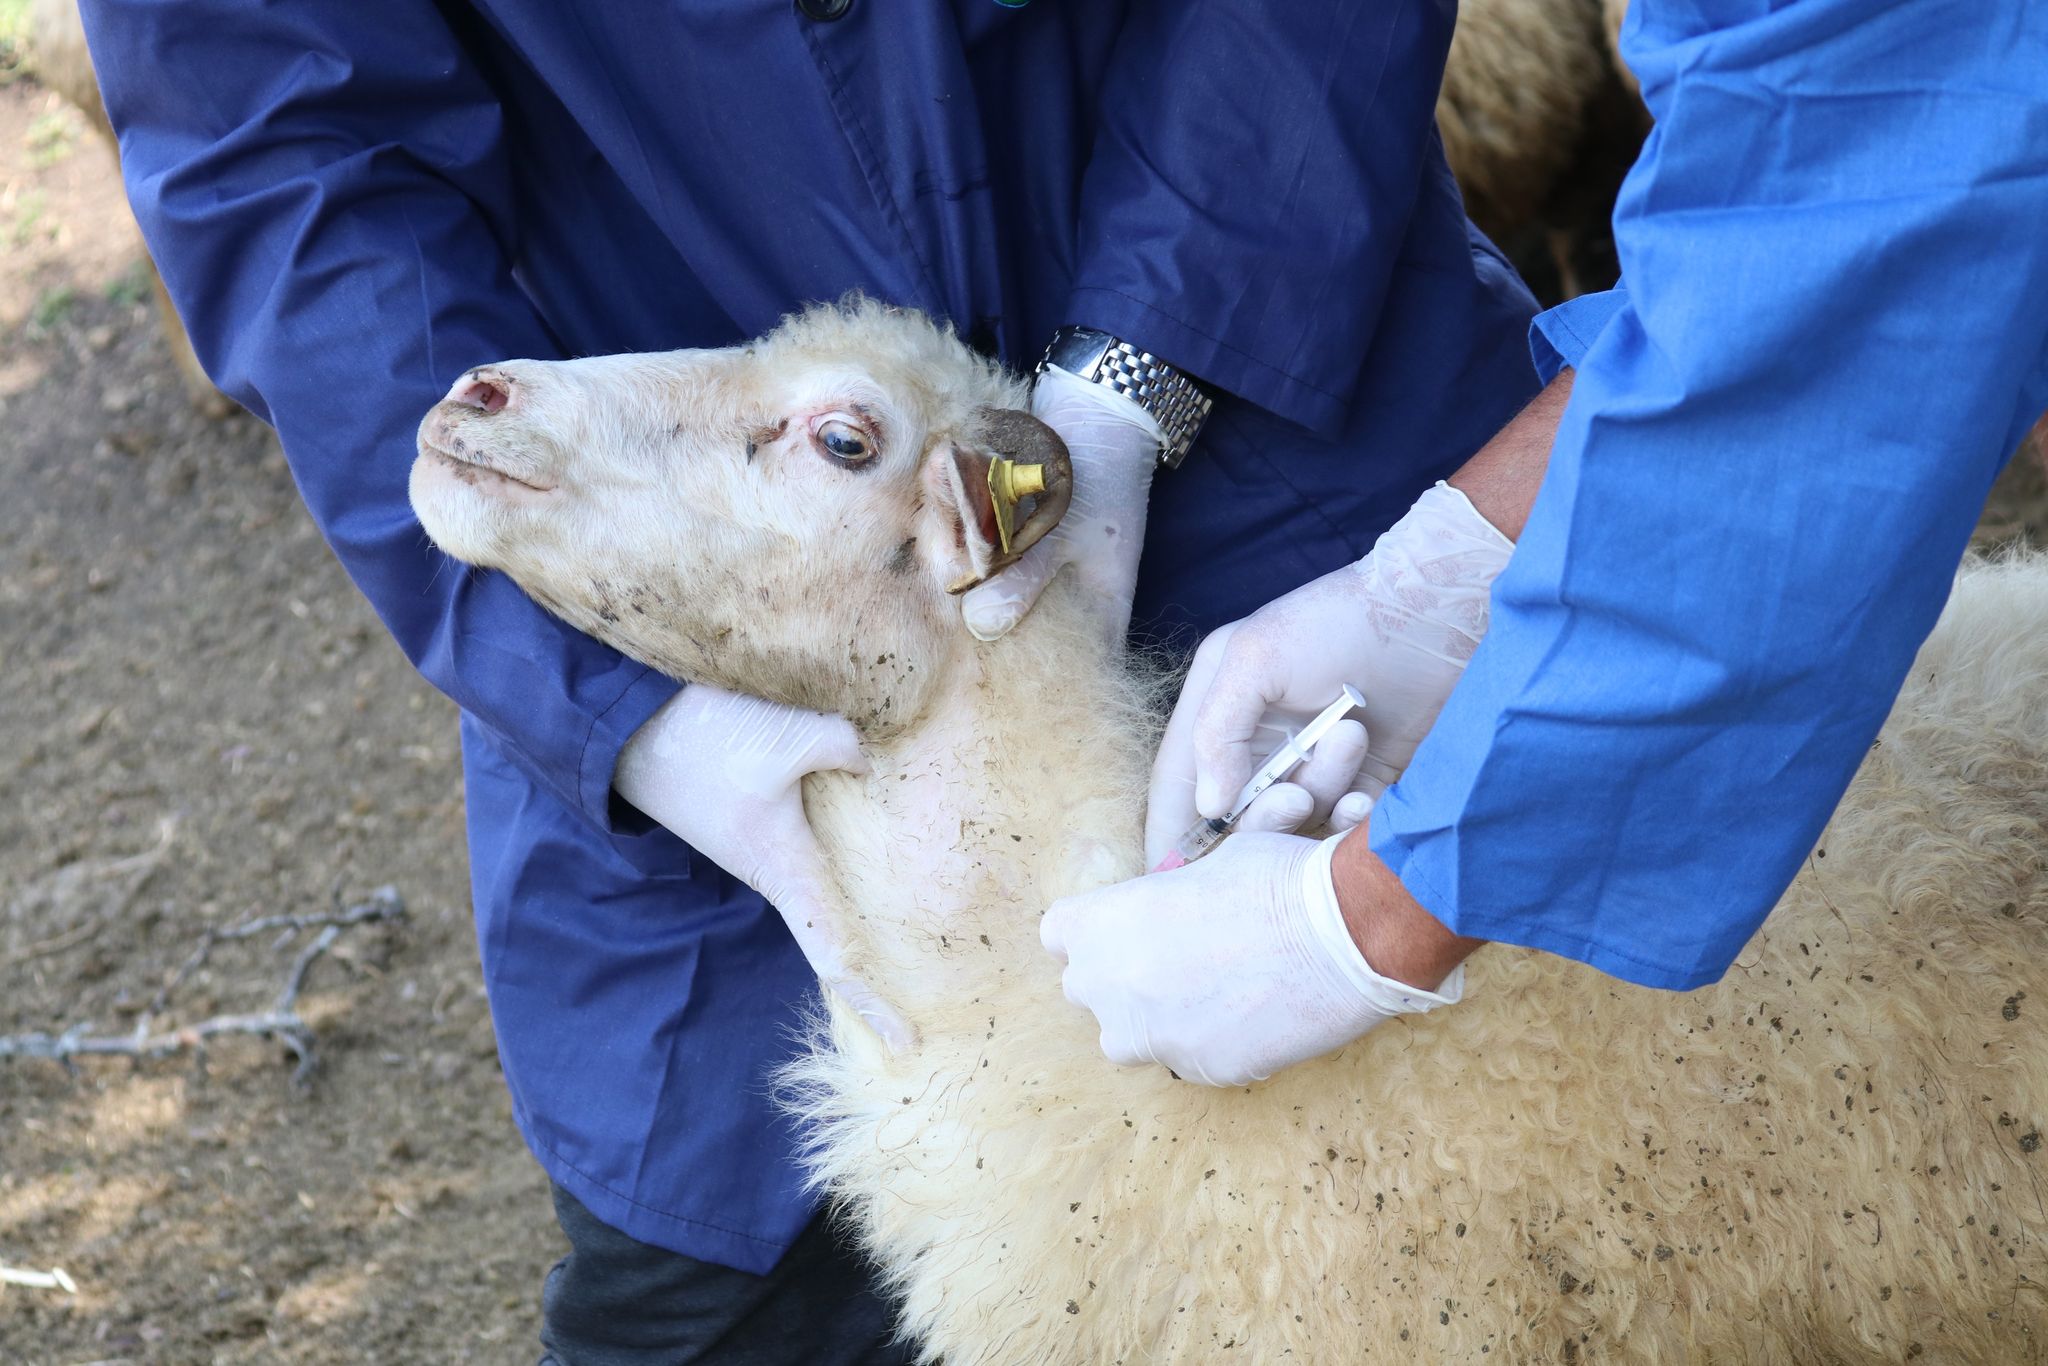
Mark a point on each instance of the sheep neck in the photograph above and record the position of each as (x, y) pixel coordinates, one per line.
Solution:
(1022, 781)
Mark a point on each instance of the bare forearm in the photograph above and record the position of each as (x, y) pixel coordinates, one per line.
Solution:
(1399, 938)
(1502, 479)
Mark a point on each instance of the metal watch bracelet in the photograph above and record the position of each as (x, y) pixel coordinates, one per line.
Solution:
(1176, 402)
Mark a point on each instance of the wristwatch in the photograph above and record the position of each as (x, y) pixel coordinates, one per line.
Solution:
(1176, 401)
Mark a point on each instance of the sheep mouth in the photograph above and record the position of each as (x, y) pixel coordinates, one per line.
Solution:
(464, 465)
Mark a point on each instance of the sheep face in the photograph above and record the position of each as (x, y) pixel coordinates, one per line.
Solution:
(783, 519)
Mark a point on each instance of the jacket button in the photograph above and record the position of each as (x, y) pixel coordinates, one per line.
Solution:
(824, 11)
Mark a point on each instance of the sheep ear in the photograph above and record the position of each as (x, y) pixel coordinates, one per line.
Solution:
(994, 493)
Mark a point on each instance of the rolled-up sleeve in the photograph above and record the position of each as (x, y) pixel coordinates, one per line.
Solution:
(326, 196)
(1252, 185)
(1778, 441)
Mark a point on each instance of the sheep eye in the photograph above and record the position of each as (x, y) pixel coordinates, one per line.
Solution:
(844, 442)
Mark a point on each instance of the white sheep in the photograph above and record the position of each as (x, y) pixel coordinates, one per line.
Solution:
(1831, 1156)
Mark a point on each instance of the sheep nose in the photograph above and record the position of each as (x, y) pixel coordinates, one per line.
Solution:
(490, 392)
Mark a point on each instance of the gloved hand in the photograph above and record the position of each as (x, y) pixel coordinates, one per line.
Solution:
(723, 772)
(1399, 624)
(1229, 969)
(1312, 794)
(1114, 445)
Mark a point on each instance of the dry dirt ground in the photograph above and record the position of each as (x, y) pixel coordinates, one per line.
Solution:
(176, 645)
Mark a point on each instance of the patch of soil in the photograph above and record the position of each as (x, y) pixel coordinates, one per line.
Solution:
(178, 644)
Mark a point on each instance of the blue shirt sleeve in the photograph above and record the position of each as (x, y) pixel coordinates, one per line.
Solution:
(1252, 184)
(1779, 438)
(326, 198)
(1560, 336)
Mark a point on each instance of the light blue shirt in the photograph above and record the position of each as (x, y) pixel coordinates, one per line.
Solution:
(1834, 331)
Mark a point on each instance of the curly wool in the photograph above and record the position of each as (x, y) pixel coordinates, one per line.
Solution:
(1830, 1156)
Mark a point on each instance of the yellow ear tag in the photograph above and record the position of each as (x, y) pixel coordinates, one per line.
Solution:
(1009, 484)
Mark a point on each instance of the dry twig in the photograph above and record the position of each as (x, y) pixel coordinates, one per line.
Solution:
(281, 1022)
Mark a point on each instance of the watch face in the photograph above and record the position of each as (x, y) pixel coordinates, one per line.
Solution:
(1079, 349)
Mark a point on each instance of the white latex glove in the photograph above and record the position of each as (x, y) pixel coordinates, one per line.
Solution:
(1313, 792)
(1399, 624)
(723, 772)
(1114, 445)
(1229, 969)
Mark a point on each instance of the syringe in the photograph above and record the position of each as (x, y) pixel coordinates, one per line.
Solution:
(1207, 834)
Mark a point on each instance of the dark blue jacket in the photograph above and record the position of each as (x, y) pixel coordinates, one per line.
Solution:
(353, 203)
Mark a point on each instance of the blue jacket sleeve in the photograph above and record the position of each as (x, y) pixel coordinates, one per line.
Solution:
(1779, 438)
(326, 196)
(1252, 184)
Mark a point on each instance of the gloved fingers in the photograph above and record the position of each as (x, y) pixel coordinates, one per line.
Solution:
(821, 935)
(1169, 813)
(803, 894)
(1354, 806)
(993, 609)
(1188, 1064)
(1282, 808)
(1170, 803)
(1129, 1043)
(1058, 923)
(889, 1024)
(1226, 721)
(1331, 770)
(1351, 810)
(1119, 1050)
(1122, 1034)
(758, 747)
(771, 746)
(833, 744)
(1376, 775)
(1192, 1069)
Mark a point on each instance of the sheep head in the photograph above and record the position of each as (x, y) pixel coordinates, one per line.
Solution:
(786, 518)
